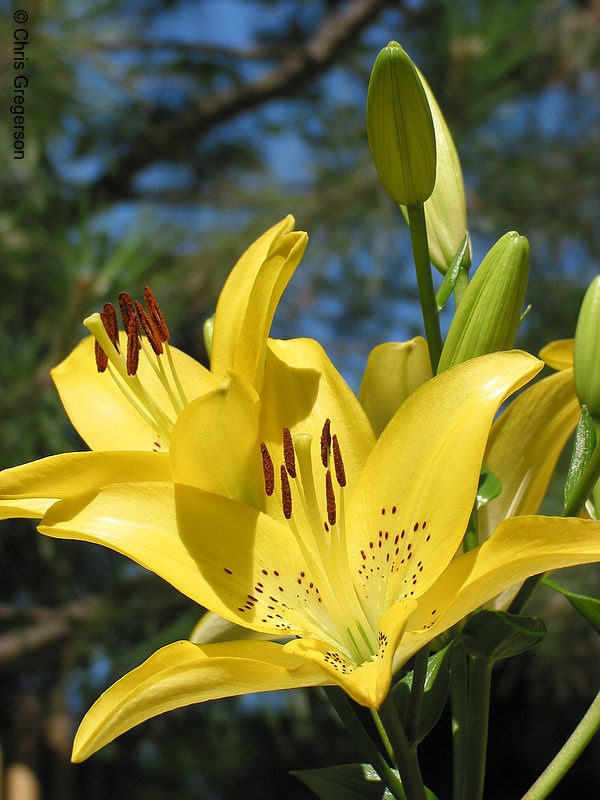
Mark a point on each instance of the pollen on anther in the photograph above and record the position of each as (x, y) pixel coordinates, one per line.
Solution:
(101, 358)
(286, 493)
(127, 312)
(340, 472)
(325, 442)
(111, 325)
(149, 329)
(156, 314)
(288, 453)
(133, 346)
(268, 469)
(330, 497)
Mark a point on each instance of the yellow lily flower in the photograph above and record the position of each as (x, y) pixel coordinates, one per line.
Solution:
(127, 419)
(339, 542)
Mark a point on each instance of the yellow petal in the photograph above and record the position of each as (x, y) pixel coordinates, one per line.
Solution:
(558, 354)
(227, 557)
(214, 445)
(525, 444)
(234, 298)
(100, 413)
(394, 370)
(410, 509)
(520, 547)
(184, 673)
(271, 280)
(46, 480)
(26, 508)
(369, 683)
(212, 628)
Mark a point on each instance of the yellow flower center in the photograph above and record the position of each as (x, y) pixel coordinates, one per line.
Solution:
(320, 531)
(123, 367)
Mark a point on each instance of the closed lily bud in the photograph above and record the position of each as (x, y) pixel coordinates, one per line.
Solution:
(400, 128)
(586, 356)
(394, 370)
(489, 313)
(445, 210)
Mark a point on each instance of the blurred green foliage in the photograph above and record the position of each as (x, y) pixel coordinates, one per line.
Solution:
(160, 139)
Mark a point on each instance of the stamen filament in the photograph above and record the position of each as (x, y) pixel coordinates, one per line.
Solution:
(178, 384)
(150, 421)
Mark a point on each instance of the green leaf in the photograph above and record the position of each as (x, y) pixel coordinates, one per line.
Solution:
(435, 692)
(588, 607)
(458, 264)
(347, 782)
(493, 635)
(583, 447)
(489, 487)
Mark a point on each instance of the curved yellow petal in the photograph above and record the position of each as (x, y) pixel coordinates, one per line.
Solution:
(212, 628)
(45, 481)
(101, 414)
(226, 556)
(183, 673)
(235, 295)
(214, 445)
(271, 280)
(410, 509)
(26, 508)
(558, 354)
(394, 370)
(525, 444)
(520, 547)
(369, 683)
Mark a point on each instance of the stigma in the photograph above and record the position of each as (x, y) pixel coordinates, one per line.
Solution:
(147, 338)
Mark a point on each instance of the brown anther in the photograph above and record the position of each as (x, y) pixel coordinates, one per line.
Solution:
(330, 496)
(286, 494)
(288, 453)
(128, 312)
(111, 325)
(268, 469)
(156, 315)
(340, 472)
(133, 346)
(325, 442)
(149, 329)
(101, 358)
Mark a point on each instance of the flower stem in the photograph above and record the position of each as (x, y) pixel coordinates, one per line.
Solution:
(363, 741)
(415, 700)
(480, 681)
(460, 717)
(568, 754)
(404, 751)
(429, 308)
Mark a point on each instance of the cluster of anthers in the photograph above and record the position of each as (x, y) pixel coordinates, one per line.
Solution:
(124, 366)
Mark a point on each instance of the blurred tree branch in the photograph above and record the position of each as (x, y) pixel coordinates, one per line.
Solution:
(178, 132)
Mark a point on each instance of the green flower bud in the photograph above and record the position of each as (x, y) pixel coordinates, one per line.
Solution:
(400, 128)
(394, 370)
(489, 313)
(207, 331)
(586, 356)
(445, 210)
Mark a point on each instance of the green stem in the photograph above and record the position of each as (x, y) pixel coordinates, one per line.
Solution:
(429, 308)
(480, 681)
(415, 700)
(583, 489)
(339, 700)
(460, 718)
(568, 754)
(405, 752)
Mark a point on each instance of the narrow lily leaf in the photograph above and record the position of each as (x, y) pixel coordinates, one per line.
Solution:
(489, 487)
(460, 262)
(583, 447)
(435, 692)
(493, 635)
(347, 782)
(588, 607)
